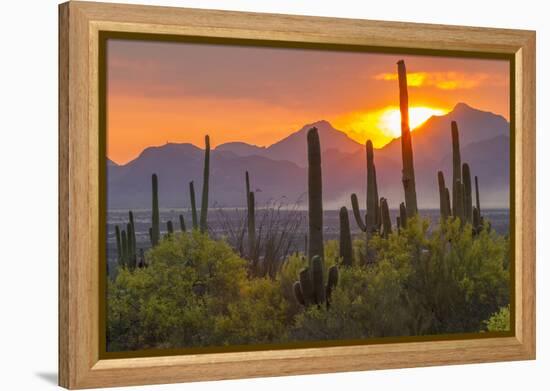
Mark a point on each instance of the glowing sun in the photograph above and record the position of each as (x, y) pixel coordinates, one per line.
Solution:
(389, 119)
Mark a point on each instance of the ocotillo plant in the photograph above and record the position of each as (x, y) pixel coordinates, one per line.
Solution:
(444, 208)
(205, 182)
(467, 187)
(155, 212)
(315, 194)
(193, 205)
(409, 183)
(182, 224)
(457, 165)
(310, 288)
(346, 249)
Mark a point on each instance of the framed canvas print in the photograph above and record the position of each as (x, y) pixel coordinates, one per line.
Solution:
(247, 195)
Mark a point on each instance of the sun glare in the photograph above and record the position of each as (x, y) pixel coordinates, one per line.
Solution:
(381, 126)
(389, 120)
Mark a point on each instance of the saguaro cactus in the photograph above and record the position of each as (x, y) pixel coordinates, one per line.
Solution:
(409, 183)
(155, 212)
(444, 211)
(467, 187)
(193, 205)
(310, 288)
(346, 249)
(372, 191)
(315, 194)
(457, 165)
(205, 181)
(458, 194)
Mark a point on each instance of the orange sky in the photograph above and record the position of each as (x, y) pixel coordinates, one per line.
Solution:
(177, 92)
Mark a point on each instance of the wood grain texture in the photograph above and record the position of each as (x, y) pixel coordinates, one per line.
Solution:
(79, 363)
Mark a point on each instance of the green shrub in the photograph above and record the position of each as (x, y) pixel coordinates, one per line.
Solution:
(499, 321)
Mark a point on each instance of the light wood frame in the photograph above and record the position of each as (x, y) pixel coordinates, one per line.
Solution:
(79, 363)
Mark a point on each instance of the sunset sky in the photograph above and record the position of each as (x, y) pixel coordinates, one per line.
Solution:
(177, 92)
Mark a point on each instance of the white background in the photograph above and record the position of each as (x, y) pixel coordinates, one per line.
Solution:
(28, 195)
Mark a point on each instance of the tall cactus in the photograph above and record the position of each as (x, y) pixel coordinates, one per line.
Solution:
(409, 183)
(457, 165)
(155, 212)
(467, 187)
(372, 191)
(193, 205)
(443, 194)
(315, 194)
(346, 249)
(205, 183)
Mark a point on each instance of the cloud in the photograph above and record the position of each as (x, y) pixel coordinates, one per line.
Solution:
(440, 80)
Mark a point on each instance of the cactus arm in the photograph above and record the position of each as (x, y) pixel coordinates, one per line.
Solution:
(357, 213)
(205, 184)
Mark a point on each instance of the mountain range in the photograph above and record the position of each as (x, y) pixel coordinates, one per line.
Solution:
(279, 171)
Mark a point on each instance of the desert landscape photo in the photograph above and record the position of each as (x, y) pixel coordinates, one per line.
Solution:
(267, 196)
